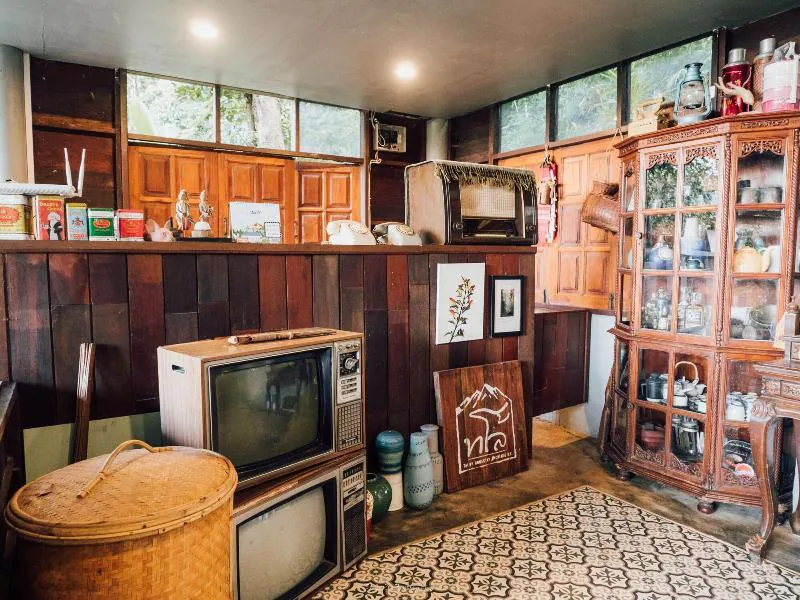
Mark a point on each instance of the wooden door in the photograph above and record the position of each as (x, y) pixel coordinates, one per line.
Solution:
(258, 179)
(325, 193)
(158, 174)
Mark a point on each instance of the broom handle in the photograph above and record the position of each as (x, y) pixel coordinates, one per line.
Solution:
(102, 473)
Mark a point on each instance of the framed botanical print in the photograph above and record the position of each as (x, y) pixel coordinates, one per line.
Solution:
(507, 305)
(459, 302)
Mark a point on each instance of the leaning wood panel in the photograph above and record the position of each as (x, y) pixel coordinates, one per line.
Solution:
(398, 343)
(29, 337)
(326, 291)
(299, 291)
(146, 297)
(272, 292)
(243, 291)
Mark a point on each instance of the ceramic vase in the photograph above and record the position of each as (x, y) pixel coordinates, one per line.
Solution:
(389, 448)
(432, 431)
(381, 493)
(418, 476)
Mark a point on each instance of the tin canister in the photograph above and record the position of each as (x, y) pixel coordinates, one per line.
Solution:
(16, 222)
(101, 224)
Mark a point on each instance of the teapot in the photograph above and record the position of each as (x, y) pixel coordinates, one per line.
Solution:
(735, 408)
(689, 388)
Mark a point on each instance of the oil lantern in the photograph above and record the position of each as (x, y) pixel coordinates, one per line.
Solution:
(692, 101)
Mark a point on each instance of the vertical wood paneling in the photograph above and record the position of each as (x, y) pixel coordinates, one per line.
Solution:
(243, 291)
(439, 353)
(272, 292)
(5, 366)
(376, 338)
(351, 282)
(108, 289)
(526, 342)
(180, 298)
(29, 337)
(476, 349)
(70, 326)
(146, 304)
(212, 296)
(299, 291)
(419, 370)
(397, 298)
(326, 291)
(494, 346)
(511, 343)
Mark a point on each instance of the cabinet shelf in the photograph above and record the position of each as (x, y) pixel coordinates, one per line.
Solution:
(685, 412)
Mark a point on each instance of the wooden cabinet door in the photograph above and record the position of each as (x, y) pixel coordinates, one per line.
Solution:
(158, 174)
(324, 194)
(258, 179)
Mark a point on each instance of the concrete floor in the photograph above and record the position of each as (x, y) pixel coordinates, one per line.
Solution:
(561, 462)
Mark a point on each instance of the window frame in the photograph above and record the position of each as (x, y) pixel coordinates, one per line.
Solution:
(557, 88)
(542, 90)
(217, 144)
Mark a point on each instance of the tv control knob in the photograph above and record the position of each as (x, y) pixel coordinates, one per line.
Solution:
(529, 227)
(458, 226)
(350, 363)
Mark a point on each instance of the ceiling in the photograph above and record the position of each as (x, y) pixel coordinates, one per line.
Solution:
(470, 53)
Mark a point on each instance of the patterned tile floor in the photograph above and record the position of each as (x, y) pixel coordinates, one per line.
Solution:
(578, 545)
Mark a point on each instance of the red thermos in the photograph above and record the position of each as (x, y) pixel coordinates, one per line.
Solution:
(737, 72)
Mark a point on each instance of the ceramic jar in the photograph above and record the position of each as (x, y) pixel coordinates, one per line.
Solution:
(389, 448)
(418, 487)
(381, 493)
(432, 431)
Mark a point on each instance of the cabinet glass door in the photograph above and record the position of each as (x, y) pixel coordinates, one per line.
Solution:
(701, 174)
(661, 181)
(756, 238)
(691, 387)
(741, 390)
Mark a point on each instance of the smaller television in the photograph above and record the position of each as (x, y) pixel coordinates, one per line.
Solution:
(291, 536)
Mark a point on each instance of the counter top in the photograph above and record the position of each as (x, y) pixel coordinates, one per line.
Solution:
(49, 247)
(544, 309)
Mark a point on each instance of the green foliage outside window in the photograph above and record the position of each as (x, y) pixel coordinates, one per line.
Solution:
(587, 105)
(170, 108)
(522, 122)
(257, 120)
(326, 129)
(659, 74)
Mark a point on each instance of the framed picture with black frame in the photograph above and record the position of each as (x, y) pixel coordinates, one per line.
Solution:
(506, 305)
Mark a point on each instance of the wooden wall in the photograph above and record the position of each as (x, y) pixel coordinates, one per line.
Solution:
(130, 301)
(472, 136)
(387, 184)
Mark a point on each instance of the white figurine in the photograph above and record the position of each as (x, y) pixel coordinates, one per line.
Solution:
(182, 211)
(202, 229)
(732, 89)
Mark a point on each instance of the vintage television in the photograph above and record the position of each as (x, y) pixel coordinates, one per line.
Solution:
(271, 407)
(451, 202)
(292, 535)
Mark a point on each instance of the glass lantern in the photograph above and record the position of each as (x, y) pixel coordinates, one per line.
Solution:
(692, 102)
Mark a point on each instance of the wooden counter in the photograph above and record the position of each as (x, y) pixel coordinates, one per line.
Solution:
(131, 297)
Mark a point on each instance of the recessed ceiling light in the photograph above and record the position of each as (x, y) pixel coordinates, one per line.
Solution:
(405, 70)
(203, 29)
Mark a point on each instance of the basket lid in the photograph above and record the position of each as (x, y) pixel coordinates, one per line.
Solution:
(122, 495)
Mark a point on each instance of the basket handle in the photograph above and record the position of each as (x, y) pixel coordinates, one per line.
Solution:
(101, 474)
(686, 362)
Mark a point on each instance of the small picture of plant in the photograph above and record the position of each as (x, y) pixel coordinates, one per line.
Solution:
(459, 305)
(459, 302)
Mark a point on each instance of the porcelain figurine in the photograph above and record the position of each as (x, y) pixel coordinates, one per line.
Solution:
(432, 431)
(202, 228)
(182, 211)
(418, 487)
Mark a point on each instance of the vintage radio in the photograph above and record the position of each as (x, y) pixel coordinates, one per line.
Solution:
(464, 203)
(272, 407)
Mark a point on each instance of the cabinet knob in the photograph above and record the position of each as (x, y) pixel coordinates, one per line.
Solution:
(639, 235)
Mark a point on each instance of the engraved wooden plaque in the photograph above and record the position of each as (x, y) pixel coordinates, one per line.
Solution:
(482, 415)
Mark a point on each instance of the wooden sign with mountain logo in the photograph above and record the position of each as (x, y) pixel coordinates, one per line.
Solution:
(482, 415)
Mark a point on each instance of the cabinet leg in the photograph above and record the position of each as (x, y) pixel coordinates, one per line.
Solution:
(763, 417)
(706, 507)
(623, 474)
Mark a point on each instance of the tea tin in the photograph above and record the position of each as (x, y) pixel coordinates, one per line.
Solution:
(77, 226)
(101, 224)
(15, 217)
(48, 212)
(129, 225)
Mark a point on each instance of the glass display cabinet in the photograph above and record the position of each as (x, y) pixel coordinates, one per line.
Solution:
(707, 264)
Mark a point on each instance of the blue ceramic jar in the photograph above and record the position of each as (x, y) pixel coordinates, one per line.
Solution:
(418, 486)
(389, 448)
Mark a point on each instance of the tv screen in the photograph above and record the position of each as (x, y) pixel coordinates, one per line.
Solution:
(286, 549)
(272, 411)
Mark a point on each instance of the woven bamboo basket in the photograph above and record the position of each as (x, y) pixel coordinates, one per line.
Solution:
(143, 524)
(601, 208)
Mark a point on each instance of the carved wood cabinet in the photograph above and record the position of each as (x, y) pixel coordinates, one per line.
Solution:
(705, 270)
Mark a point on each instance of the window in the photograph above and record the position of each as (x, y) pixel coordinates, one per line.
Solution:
(258, 120)
(587, 105)
(659, 74)
(170, 108)
(522, 122)
(326, 129)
